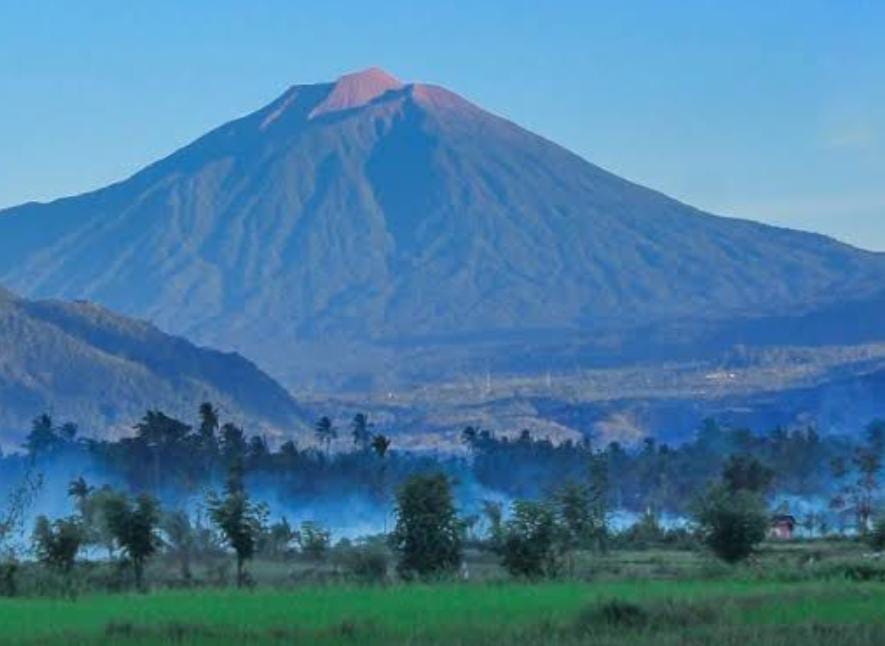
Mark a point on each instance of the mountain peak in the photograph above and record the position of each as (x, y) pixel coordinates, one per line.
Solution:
(357, 89)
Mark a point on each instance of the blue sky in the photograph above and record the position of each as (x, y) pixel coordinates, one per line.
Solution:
(768, 110)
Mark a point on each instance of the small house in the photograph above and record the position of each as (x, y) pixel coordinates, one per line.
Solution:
(782, 527)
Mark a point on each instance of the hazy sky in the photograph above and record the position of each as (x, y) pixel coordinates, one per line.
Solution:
(772, 110)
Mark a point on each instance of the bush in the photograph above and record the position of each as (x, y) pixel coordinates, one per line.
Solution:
(617, 615)
(8, 583)
(530, 542)
(367, 562)
(314, 540)
(732, 523)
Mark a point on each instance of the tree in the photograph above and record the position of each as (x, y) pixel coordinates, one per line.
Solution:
(877, 536)
(277, 541)
(207, 435)
(233, 445)
(494, 515)
(598, 493)
(574, 516)
(744, 472)
(134, 527)
(79, 490)
(239, 519)
(209, 423)
(56, 544)
(314, 540)
(180, 540)
(530, 545)
(361, 430)
(325, 433)
(42, 439)
(428, 534)
(93, 513)
(732, 523)
(380, 445)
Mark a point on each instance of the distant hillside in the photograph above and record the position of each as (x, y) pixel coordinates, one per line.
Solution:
(367, 232)
(84, 364)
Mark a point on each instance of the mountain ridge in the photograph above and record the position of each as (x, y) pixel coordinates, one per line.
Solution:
(403, 216)
(87, 365)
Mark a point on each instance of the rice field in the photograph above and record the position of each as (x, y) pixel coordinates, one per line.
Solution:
(611, 612)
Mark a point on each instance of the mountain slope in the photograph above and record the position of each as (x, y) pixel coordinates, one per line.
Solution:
(369, 228)
(84, 364)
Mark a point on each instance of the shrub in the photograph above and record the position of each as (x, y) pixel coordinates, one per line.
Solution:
(530, 543)
(428, 534)
(367, 562)
(314, 540)
(732, 523)
(8, 581)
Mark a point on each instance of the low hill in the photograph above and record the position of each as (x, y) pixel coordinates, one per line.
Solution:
(85, 364)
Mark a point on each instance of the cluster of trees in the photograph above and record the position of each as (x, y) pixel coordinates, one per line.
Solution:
(166, 455)
(658, 477)
(563, 493)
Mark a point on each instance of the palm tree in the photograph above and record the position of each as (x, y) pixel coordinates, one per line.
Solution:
(380, 444)
(362, 431)
(80, 492)
(325, 432)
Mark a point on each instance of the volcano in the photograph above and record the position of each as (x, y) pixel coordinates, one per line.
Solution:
(368, 230)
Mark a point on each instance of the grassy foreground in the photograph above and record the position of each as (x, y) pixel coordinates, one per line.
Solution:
(660, 612)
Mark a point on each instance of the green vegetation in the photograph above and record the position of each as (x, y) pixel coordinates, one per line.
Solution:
(547, 568)
(548, 613)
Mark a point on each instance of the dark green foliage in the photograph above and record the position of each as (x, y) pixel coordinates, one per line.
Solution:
(732, 523)
(240, 520)
(8, 582)
(133, 525)
(428, 534)
(618, 615)
(366, 560)
(744, 472)
(531, 545)
(57, 543)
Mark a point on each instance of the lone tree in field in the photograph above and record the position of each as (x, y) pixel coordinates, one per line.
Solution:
(427, 536)
(732, 514)
(134, 527)
(530, 546)
(239, 520)
(56, 544)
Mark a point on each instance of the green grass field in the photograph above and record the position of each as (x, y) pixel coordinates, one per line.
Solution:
(792, 593)
(463, 614)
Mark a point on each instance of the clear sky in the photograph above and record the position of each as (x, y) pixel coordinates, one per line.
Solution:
(772, 110)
